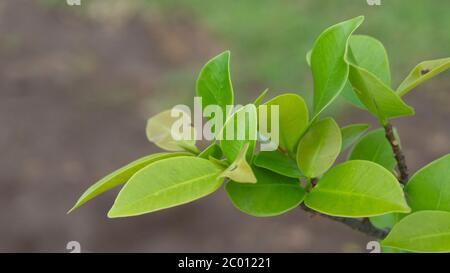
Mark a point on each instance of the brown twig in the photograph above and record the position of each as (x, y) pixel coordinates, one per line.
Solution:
(363, 226)
(401, 162)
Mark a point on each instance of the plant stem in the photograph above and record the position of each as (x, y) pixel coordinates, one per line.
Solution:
(399, 156)
(363, 225)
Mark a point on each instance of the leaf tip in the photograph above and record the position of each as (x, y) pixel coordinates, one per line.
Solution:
(72, 209)
(112, 213)
(358, 19)
(78, 204)
(226, 54)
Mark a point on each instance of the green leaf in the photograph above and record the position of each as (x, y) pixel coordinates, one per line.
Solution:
(350, 96)
(272, 195)
(293, 119)
(319, 148)
(246, 127)
(368, 53)
(376, 148)
(260, 98)
(357, 188)
(429, 188)
(328, 65)
(422, 73)
(378, 98)
(240, 170)
(121, 176)
(159, 131)
(222, 163)
(423, 231)
(385, 221)
(385, 249)
(278, 162)
(213, 150)
(166, 183)
(214, 82)
(351, 133)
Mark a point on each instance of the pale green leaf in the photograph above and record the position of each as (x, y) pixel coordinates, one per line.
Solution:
(422, 231)
(121, 176)
(278, 162)
(376, 148)
(328, 65)
(422, 73)
(242, 131)
(378, 98)
(351, 134)
(293, 119)
(166, 183)
(240, 171)
(159, 131)
(272, 195)
(429, 188)
(319, 148)
(357, 188)
(214, 82)
(368, 53)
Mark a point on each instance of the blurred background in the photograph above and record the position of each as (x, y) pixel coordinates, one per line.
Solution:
(78, 83)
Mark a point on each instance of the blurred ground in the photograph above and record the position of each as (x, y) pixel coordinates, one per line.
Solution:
(76, 86)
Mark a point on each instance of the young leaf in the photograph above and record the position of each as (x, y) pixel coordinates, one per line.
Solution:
(213, 150)
(328, 65)
(368, 53)
(429, 188)
(379, 99)
(422, 73)
(357, 188)
(159, 131)
(277, 162)
(214, 82)
(166, 183)
(293, 119)
(351, 133)
(272, 195)
(319, 148)
(260, 98)
(376, 148)
(423, 231)
(246, 127)
(240, 170)
(121, 176)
